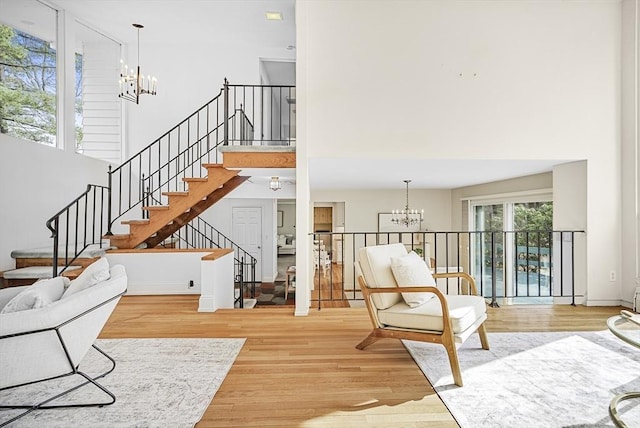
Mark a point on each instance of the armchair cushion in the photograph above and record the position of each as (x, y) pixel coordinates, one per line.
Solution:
(375, 263)
(464, 311)
(411, 270)
(38, 295)
(96, 272)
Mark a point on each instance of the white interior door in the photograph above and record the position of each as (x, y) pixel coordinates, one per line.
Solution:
(247, 233)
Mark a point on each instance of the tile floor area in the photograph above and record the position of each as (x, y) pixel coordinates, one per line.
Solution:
(269, 293)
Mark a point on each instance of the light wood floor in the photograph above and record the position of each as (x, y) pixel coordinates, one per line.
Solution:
(306, 372)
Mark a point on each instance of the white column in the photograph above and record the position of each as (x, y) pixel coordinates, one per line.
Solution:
(630, 50)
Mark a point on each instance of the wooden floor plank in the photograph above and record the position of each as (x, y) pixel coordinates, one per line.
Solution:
(305, 371)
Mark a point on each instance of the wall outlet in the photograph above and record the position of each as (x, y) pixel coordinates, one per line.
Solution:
(612, 275)
(190, 283)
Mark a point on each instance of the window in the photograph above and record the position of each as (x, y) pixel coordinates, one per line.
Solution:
(513, 246)
(32, 86)
(28, 72)
(97, 106)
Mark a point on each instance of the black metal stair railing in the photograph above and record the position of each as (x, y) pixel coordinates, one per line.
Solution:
(262, 115)
(161, 165)
(268, 115)
(81, 223)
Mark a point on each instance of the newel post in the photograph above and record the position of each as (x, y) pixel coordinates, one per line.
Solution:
(226, 112)
(109, 233)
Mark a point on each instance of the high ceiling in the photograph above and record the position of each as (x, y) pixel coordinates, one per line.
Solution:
(424, 173)
(166, 21)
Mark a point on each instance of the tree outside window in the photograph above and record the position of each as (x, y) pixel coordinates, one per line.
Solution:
(27, 86)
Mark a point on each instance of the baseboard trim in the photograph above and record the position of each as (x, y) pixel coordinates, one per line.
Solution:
(605, 302)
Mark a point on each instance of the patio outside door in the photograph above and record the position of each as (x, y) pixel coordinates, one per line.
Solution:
(516, 257)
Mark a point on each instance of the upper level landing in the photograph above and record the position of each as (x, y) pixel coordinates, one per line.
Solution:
(246, 156)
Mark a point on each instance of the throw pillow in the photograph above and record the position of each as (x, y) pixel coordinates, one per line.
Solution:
(411, 270)
(38, 295)
(94, 273)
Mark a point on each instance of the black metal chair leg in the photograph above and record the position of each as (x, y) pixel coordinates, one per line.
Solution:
(89, 380)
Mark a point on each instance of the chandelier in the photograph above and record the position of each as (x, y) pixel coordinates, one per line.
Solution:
(406, 217)
(275, 184)
(132, 82)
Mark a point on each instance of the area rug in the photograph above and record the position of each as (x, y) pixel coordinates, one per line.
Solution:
(157, 383)
(272, 293)
(535, 379)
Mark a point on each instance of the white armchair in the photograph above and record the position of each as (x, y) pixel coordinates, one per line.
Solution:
(404, 302)
(46, 335)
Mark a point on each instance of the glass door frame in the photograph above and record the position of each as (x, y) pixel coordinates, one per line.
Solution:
(508, 202)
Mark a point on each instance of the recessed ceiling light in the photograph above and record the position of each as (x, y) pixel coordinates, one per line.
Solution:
(273, 16)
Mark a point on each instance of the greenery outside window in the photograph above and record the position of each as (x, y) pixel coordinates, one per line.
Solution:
(28, 83)
(28, 71)
(516, 245)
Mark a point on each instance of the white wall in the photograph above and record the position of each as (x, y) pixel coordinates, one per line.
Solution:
(471, 80)
(288, 218)
(37, 181)
(361, 207)
(190, 73)
(161, 272)
(482, 79)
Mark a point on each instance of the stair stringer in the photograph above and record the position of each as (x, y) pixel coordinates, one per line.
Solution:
(195, 211)
(160, 216)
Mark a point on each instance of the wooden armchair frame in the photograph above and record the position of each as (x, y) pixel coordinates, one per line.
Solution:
(445, 337)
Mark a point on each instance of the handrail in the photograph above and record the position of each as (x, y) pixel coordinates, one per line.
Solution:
(268, 109)
(169, 154)
(169, 131)
(147, 182)
(517, 265)
(86, 226)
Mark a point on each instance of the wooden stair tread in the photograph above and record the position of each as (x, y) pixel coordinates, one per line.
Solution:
(139, 221)
(156, 208)
(194, 179)
(212, 165)
(175, 193)
(118, 237)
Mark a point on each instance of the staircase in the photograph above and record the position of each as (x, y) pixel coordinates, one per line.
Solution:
(182, 207)
(174, 179)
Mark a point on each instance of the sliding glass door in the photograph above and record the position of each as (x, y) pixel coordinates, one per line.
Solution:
(512, 249)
